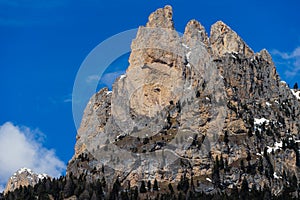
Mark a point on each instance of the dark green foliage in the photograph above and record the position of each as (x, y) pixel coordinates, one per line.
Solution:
(84, 195)
(251, 169)
(244, 190)
(242, 166)
(68, 189)
(56, 188)
(216, 173)
(221, 163)
(146, 140)
(149, 185)
(296, 86)
(269, 171)
(171, 188)
(103, 182)
(294, 183)
(124, 195)
(250, 133)
(258, 135)
(226, 140)
(135, 193)
(260, 165)
(183, 184)
(114, 193)
(297, 156)
(155, 185)
(143, 187)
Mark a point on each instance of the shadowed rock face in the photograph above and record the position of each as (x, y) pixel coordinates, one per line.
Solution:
(185, 101)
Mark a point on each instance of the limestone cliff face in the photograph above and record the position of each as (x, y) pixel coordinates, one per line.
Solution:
(23, 177)
(183, 102)
(224, 40)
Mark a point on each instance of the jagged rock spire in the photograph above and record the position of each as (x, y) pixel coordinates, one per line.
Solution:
(161, 18)
(266, 55)
(195, 31)
(223, 39)
(174, 86)
(23, 177)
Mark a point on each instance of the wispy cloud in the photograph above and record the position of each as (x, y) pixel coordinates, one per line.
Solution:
(109, 78)
(290, 60)
(67, 98)
(60, 99)
(106, 80)
(92, 78)
(23, 147)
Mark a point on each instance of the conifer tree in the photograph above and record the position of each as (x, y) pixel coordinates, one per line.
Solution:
(149, 185)
(221, 162)
(155, 185)
(143, 187)
(245, 190)
(171, 188)
(216, 173)
(296, 86)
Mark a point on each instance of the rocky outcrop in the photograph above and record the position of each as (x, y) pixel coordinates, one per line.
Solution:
(224, 40)
(161, 18)
(186, 102)
(23, 177)
(93, 122)
(196, 32)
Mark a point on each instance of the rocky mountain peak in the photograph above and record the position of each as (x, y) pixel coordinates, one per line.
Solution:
(161, 18)
(186, 103)
(193, 115)
(224, 40)
(266, 55)
(194, 30)
(23, 177)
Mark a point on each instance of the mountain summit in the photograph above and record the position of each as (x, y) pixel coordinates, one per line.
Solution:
(206, 109)
(193, 115)
(23, 177)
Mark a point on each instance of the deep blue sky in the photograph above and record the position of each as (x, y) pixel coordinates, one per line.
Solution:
(43, 43)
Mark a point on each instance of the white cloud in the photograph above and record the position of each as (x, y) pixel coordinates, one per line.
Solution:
(22, 147)
(109, 78)
(67, 98)
(290, 60)
(92, 78)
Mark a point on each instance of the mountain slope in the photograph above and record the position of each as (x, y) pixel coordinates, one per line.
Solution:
(207, 109)
(23, 177)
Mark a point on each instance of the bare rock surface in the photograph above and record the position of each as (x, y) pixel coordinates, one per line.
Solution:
(224, 40)
(23, 177)
(185, 102)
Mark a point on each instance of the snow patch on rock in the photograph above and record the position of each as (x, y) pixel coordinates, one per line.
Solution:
(296, 93)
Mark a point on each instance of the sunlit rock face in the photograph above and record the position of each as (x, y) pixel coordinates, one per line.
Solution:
(23, 177)
(184, 101)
